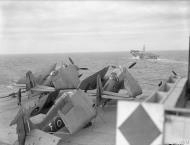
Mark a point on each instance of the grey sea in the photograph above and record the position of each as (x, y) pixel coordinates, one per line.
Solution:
(147, 72)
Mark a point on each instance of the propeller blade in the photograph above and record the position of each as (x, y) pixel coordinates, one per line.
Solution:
(80, 75)
(160, 83)
(83, 68)
(174, 73)
(132, 65)
(72, 62)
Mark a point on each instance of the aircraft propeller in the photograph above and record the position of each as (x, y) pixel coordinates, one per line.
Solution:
(72, 62)
(130, 66)
(80, 75)
(83, 68)
(174, 73)
(160, 83)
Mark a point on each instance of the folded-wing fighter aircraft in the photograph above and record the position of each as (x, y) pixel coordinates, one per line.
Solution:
(61, 79)
(45, 76)
(64, 77)
(111, 85)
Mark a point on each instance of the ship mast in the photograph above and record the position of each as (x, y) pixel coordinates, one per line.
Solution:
(144, 48)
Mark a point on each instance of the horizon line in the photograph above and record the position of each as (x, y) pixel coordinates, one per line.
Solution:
(37, 53)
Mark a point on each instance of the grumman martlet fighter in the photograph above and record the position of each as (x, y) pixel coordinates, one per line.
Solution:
(119, 79)
(70, 112)
(44, 78)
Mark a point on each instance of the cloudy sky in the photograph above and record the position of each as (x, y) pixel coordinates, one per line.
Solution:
(88, 26)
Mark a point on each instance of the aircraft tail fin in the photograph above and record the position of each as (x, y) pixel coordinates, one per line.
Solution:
(24, 125)
(99, 91)
(30, 81)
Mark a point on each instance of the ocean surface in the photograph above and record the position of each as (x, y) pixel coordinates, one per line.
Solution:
(147, 72)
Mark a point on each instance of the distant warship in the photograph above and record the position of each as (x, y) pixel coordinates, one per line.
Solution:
(143, 55)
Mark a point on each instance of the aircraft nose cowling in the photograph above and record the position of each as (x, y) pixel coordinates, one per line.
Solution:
(56, 124)
(114, 77)
(53, 73)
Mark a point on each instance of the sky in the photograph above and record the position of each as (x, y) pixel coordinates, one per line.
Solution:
(93, 26)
